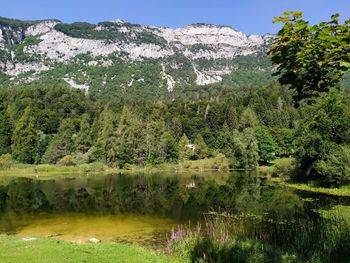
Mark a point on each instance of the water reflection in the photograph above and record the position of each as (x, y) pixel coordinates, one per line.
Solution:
(134, 207)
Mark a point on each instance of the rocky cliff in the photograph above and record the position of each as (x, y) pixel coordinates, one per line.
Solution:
(198, 54)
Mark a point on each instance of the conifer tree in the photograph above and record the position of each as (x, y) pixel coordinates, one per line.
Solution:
(83, 141)
(232, 119)
(248, 119)
(62, 144)
(168, 146)
(201, 150)
(25, 138)
(185, 152)
(5, 133)
(252, 155)
(105, 125)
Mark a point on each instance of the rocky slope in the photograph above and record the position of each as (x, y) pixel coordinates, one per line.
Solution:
(122, 54)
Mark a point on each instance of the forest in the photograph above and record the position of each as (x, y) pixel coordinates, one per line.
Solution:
(295, 120)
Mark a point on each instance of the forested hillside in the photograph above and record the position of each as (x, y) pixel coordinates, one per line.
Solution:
(55, 123)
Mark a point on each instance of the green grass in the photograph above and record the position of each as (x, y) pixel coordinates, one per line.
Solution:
(341, 191)
(48, 171)
(218, 163)
(338, 212)
(14, 250)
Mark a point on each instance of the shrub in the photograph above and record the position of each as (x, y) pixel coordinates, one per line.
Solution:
(67, 160)
(219, 162)
(84, 168)
(81, 158)
(335, 170)
(284, 167)
(97, 167)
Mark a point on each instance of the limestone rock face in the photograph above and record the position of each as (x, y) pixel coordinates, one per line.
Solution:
(41, 46)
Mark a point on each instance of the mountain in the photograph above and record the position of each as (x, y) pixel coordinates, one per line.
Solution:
(117, 57)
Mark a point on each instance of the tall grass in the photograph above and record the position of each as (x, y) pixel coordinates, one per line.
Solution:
(250, 238)
(43, 170)
(218, 163)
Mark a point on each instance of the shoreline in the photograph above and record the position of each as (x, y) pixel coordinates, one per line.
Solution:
(50, 171)
(339, 192)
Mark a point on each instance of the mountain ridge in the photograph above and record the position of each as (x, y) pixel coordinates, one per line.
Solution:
(198, 54)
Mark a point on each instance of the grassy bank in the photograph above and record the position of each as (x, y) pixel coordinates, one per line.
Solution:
(14, 250)
(251, 238)
(342, 191)
(21, 170)
(46, 170)
(338, 212)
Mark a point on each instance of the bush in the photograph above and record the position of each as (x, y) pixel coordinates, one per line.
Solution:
(97, 167)
(322, 140)
(335, 170)
(284, 167)
(6, 161)
(219, 162)
(81, 158)
(67, 160)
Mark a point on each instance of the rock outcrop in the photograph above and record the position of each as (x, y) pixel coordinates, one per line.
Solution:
(40, 46)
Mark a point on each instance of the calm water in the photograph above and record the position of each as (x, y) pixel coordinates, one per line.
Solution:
(139, 208)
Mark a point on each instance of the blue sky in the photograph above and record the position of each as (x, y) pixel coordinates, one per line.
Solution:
(248, 16)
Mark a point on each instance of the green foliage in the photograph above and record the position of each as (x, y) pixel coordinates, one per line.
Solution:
(87, 31)
(83, 140)
(335, 169)
(185, 152)
(284, 167)
(201, 150)
(5, 133)
(6, 161)
(14, 250)
(67, 160)
(284, 138)
(226, 238)
(109, 31)
(25, 138)
(311, 58)
(20, 54)
(322, 137)
(204, 249)
(218, 163)
(146, 133)
(266, 144)
(251, 149)
(248, 119)
(62, 144)
(20, 23)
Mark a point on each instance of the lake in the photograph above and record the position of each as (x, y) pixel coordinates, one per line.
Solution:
(141, 208)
